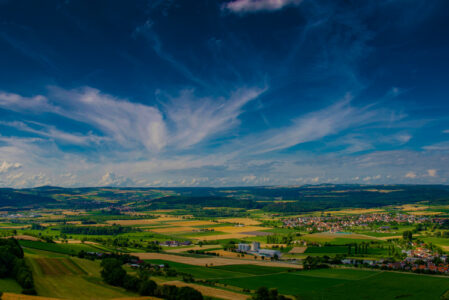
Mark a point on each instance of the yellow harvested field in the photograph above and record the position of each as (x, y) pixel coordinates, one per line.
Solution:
(184, 249)
(192, 223)
(425, 213)
(445, 248)
(239, 229)
(298, 250)
(220, 237)
(71, 222)
(172, 229)
(385, 238)
(214, 261)
(11, 296)
(210, 291)
(15, 227)
(244, 221)
(382, 191)
(77, 242)
(225, 253)
(356, 211)
(412, 207)
(141, 221)
(137, 298)
(71, 213)
(23, 237)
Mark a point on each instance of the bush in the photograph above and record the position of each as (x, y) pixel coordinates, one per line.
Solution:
(147, 288)
(188, 293)
(112, 272)
(131, 283)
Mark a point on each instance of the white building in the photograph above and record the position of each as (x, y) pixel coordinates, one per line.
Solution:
(269, 253)
(243, 247)
(255, 247)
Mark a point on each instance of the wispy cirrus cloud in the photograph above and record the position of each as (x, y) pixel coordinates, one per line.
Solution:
(184, 121)
(195, 119)
(319, 124)
(17, 102)
(127, 123)
(52, 132)
(249, 6)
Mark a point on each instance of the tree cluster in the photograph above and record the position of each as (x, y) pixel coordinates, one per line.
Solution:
(13, 265)
(263, 293)
(96, 230)
(114, 274)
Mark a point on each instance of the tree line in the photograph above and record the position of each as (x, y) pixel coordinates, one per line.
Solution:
(114, 274)
(12, 264)
(96, 230)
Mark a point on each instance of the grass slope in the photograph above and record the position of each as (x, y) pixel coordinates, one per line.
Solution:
(9, 285)
(70, 278)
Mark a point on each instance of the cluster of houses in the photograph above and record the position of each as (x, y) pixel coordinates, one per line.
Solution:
(255, 249)
(175, 243)
(338, 224)
(419, 259)
(19, 216)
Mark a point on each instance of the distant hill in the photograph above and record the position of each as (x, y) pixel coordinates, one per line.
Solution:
(21, 198)
(274, 199)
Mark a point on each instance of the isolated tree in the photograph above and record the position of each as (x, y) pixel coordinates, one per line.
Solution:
(147, 288)
(407, 235)
(188, 293)
(112, 272)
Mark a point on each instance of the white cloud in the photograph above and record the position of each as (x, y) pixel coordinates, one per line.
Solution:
(446, 131)
(249, 178)
(245, 6)
(186, 120)
(411, 175)
(438, 146)
(370, 178)
(110, 179)
(432, 172)
(128, 123)
(6, 167)
(197, 119)
(316, 125)
(18, 103)
(404, 138)
(54, 133)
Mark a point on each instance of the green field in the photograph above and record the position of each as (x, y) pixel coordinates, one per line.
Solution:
(10, 285)
(213, 273)
(70, 278)
(59, 248)
(327, 249)
(348, 284)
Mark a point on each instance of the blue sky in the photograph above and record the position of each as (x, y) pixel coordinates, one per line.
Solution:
(223, 93)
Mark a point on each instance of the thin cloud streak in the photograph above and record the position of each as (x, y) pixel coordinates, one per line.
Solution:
(319, 124)
(251, 6)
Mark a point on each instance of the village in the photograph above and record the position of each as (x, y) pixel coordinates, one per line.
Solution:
(339, 224)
